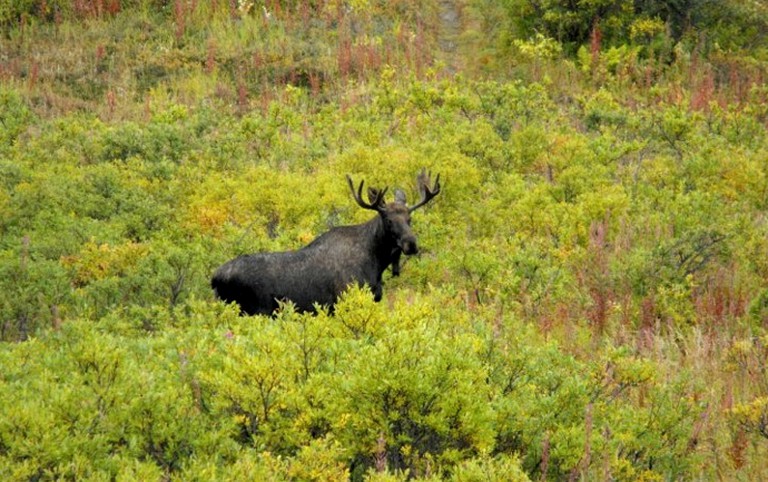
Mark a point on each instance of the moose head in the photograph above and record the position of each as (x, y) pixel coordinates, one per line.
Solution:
(396, 215)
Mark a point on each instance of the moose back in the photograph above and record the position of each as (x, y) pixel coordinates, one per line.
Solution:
(319, 272)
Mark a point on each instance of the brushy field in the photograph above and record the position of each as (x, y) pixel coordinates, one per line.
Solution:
(591, 297)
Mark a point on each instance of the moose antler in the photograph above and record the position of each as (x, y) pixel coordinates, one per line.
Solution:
(373, 195)
(423, 181)
(376, 196)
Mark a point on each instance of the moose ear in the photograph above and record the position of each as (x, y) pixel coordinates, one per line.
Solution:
(400, 196)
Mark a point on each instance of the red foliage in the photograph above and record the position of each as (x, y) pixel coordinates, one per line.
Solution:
(595, 40)
(179, 18)
(703, 91)
(34, 74)
(101, 52)
(111, 102)
(210, 59)
(242, 96)
(720, 301)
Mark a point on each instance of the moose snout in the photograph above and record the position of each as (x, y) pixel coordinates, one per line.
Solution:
(409, 246)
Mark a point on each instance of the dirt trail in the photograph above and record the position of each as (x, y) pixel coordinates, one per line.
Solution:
(449, 33)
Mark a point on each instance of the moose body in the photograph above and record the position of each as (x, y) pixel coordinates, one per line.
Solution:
(319, 272)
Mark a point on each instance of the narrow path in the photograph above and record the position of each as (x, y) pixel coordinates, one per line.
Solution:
(449, 33)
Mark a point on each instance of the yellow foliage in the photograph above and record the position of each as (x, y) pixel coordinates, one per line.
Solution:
(321, 460)
(209, 218)
(305, 237)
(623, 470)
(99, 261)
(646, 28)
(754, 413)
(5, 205)
(740, 178)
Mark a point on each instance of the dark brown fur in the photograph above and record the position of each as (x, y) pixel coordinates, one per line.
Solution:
(319, 272)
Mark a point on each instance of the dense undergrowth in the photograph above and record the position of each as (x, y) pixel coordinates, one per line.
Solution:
(590, 301)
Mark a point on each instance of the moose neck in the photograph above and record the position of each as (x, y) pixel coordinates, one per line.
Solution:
(381, 244)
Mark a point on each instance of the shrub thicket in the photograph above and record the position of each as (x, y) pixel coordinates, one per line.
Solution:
(589, 301)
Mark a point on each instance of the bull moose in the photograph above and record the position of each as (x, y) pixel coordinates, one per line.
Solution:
(319, 272)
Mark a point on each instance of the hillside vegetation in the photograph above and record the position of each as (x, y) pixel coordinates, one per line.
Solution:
(590, 301)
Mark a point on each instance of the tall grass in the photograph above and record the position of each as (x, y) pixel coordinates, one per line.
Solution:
(255, 50)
